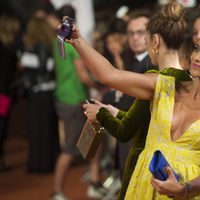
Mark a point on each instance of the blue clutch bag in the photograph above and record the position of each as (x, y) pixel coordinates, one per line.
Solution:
(157, 166)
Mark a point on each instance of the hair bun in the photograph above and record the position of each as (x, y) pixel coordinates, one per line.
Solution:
(173, 11)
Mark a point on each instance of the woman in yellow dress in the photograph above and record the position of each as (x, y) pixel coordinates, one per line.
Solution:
(175, 113)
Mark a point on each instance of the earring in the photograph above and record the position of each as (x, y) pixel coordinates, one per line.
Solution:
(190, 75)
(155, 50)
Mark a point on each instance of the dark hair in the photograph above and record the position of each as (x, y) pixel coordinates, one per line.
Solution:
(117, 25)
(169, 23)
(9, 27)
(38, 30)
(66, 10)
(195, 15)
(134, 14)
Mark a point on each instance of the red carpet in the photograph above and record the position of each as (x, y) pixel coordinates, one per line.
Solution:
(16, 184)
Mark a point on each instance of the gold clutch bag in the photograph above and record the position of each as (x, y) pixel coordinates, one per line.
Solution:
(90, 139)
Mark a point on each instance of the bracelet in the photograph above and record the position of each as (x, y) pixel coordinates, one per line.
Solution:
(96, 115)
(97, 127)
(97, 112)
(188, 189)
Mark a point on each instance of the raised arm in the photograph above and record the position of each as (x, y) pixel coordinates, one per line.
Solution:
(138, 85)
(123, 125)
(84, 74)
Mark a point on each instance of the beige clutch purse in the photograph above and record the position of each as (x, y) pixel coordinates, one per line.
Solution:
(90, 139)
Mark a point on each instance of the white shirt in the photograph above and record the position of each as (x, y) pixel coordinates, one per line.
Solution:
(141, 56)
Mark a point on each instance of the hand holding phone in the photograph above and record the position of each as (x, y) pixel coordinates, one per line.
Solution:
(88, 101)
(65, 32)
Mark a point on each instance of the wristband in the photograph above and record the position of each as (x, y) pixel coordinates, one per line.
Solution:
(97, 112)
(187, 190)
(61, 47)
(65, 32)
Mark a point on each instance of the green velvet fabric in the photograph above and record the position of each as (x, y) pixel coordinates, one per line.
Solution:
(133, 124)
(121, 114)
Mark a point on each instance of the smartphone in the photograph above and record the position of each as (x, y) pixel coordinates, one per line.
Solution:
(65, 32)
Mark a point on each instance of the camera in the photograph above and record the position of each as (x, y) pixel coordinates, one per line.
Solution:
(65, 32)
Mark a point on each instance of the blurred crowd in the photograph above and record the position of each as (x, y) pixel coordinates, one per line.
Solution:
(55, 88)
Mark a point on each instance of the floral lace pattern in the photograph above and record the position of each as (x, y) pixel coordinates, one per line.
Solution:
(182, 154)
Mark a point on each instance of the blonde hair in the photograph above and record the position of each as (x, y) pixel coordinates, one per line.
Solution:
(169, 23)
(38, 30)
(9, 26)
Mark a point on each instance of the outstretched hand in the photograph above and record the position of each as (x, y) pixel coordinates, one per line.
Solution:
(90, 110)
(113, 110)
(75, 32)
(170, 187)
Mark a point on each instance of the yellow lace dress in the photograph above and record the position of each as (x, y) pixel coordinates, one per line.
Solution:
(182, 154)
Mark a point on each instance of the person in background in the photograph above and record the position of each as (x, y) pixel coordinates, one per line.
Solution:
(38, 65)
(72, 84)
(134, 57)
(115, 42)
(168, 130)
(9, 27)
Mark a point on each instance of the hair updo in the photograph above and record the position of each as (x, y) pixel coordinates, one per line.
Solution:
(169, 23)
